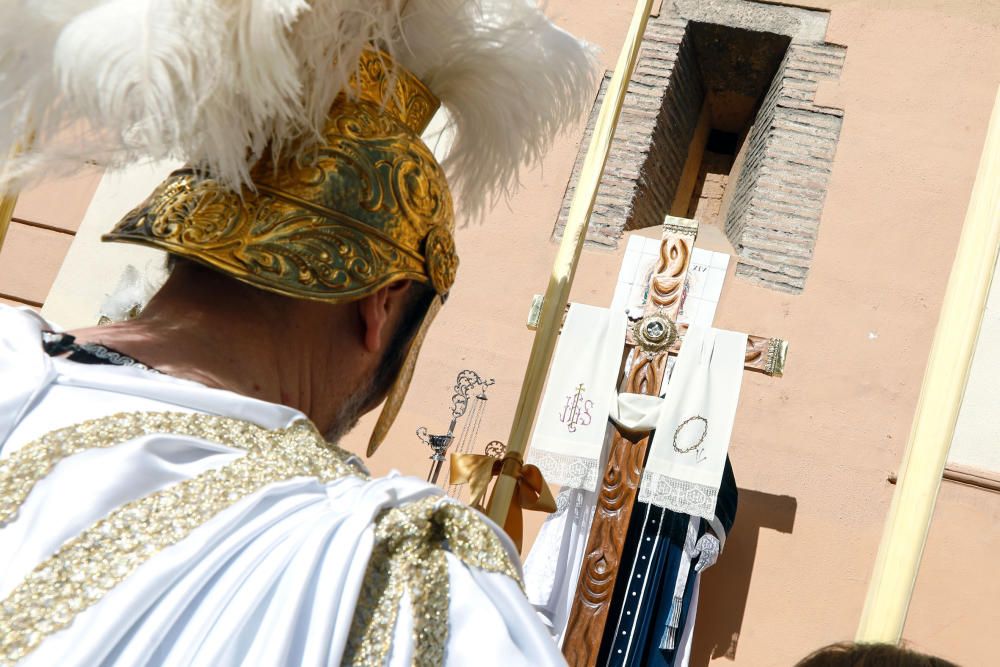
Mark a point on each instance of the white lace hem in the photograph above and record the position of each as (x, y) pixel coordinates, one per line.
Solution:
(572, 471)
(678, 495)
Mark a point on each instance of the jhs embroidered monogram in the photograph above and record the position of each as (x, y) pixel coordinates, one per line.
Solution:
(569, 434)
(577, 410)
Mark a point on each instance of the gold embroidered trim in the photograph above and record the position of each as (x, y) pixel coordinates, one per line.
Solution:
(409, 555)
(26, 467)
(88, 566)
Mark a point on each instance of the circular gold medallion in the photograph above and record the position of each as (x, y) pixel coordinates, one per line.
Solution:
(654, 333)
(440, 258)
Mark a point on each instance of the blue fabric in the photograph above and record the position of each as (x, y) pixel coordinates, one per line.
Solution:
(647, 574)
(725, 506)
(644, 589)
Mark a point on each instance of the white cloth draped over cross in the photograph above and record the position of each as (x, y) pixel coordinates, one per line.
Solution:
(692, 424)
(580, 394)
(705, 383)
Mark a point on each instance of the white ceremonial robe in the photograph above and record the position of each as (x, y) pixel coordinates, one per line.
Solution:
(272, 579)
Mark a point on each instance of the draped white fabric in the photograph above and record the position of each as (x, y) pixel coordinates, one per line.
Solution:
(688, 453)
(572, 418)
(552, 567)
(271, 580)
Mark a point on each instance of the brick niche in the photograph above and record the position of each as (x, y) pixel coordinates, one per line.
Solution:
(759, 67)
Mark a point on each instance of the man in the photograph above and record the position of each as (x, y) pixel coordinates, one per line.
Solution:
(333, 362)
(171, 491)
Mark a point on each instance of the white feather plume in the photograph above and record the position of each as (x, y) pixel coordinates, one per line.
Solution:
(213, 82)
(510, 80)
(134, 290)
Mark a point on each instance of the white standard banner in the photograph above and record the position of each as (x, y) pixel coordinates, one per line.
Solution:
(572, 419)
(688, 453)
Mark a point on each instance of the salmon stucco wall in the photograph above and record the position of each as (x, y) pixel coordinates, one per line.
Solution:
(44, 224)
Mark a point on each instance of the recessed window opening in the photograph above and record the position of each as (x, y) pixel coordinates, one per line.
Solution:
(705, 203)
(721, 122)
(732, 69)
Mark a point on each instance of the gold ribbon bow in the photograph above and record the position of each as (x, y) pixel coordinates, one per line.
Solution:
(531, 492)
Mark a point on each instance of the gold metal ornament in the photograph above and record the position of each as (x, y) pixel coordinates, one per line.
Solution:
(777, 352)
(655, 332)
(369, 207)
(441, 259)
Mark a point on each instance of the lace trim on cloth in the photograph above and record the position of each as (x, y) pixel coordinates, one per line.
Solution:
(86, 567)
(56, 344)
(678, 495)
(409, 555)
(573, 471)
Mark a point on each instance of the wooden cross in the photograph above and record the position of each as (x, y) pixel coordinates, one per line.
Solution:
(627, 457)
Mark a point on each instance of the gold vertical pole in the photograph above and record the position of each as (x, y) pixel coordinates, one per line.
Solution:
(564, 268)
(945, 377)
(7, 203)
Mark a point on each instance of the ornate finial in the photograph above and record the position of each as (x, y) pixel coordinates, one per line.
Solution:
(496, 449)
(777, 351)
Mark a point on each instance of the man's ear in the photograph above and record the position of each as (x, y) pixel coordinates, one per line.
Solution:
(380, 313)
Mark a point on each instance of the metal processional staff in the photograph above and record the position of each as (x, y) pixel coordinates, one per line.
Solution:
(466, 383)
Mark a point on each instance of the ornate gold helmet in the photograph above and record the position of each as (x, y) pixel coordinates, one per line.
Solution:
(367, 207)
(308, 176)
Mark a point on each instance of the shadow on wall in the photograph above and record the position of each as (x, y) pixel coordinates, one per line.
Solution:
(725, 587)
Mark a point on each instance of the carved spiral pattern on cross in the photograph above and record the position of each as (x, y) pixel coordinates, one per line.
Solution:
(623, 473)
(755, 349)
(642, 375)
(668, 280)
